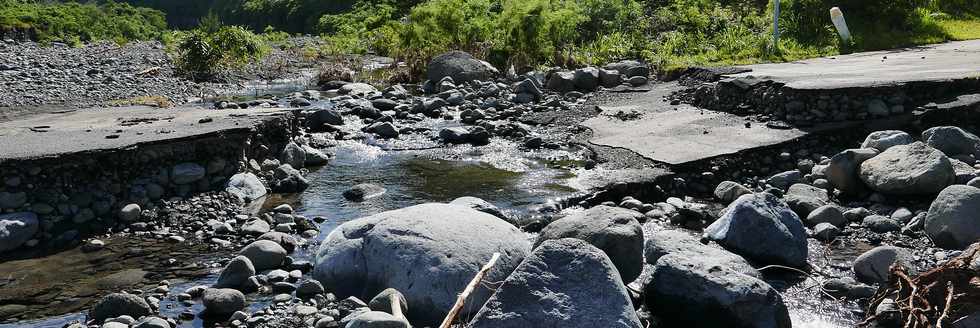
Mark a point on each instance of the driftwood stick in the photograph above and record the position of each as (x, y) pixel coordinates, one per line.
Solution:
(454, 311)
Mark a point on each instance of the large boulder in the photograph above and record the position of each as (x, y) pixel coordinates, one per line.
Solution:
(882, 140)
(287, 179)
(629, 68)
(117, 304)
(951, 140)
(873, 266)
(696, 292)
(953, 220)
(222, 301)
(429, 252)
(482, 206)
(461, 67)
(246, 186)
(614, 230)
(729, 191)
(561, 82)
(264, 254)
(586, 79)
(659, 243)
(564, 283)
(842, 172)
(16, 229)
(804, 198)
(911, 169)
(761, 228)
(294, 155)
(236, 273)
(324, 116)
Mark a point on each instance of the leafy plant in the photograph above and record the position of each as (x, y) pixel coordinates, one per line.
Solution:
(201, 55)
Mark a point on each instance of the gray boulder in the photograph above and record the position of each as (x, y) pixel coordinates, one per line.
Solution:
(461, 67)
(761, 228)
(377, 319)
(152, 322)
(294, 155)
(256, 227)
(804, 198)
(729, 191)
(222, 301)
(264, 254)
(882, 140)
(187, 172)
(287, 179)
(586, 79)
(382, 301)
(694, 292)
(609, 78)
(315, 157)
(118, 304)
(236, 273)
(357, 89)
(324, 116)
(629, 68)
(549, 287)
(785, 179)
(964, 172)
(385, 130)
(16, 229)
(428, 252)
(951, 140)
(364, 191)
(911, 169)
(455, 135)
(659, 243)
(825, 231)
(482, 206)
(246, 186)
(826, 214)
(130, 213)
(872, 266)
(881, 224)
(953, 220)
(842, 172)
(614, 230)
(561, 82)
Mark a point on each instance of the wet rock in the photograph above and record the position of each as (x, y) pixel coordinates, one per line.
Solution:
(130, 213)
(384, 104)
(357, 89)
(264, 254)
(882, 140)
(118, 304)
(288, 180)
(614, 230)
(952, 221)
(785, 179)
(287, 241)
(185, 173)
(385, 130)
(729, 191)
(803, 198)
(315, 157)
(461, 67)
(693, 292)
(825, 231)
(586, 79)
(429, 252)
(951, 140)
(324, 116)
(873, 266)
(93, 245)
(364, 191)
(245, 186)
(471, 116)
(16, 229)
(529, 87)
(561, 82)
(255, 227)
(629, 68)
(482, 206)
(827, 214)
(377, 319)
(548, 287)
(842, 172)
(881, 224)
(659, 243)
(908, 170)
(236, 273)
(223, 301)
(762, 228)
(457, 135)
(382, 301)
(309, 288)
(293, 155)
(849, 288)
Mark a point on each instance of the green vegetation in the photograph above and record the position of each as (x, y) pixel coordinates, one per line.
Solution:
(211, 47)
(73, 23)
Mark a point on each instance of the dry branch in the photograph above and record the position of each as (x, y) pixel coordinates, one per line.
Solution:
(454, 311)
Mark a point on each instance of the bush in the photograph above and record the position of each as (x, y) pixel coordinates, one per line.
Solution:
(201, 55)
(73, 23)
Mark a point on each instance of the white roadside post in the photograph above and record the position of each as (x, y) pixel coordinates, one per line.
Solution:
(837, 16)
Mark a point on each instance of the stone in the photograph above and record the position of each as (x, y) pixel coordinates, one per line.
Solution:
(236, 273)
(429, 252)
(729, 191)
(629, 68)
(912, 169)
(610, 78)
(951, 140)
(561, 82)
(152, 322)
(287, 179)
(953, 221)
(377, 319)
(882, 140)
(461, 67)
(659, 243)
(614, 230)
(964, 172)
(881, 224)
(549, 287)
(382, 301)
(130, 213)
(827, 214)
(825, 231)
(255, 227)
(324, 116)
(785, 179)
(694, 292)
(455, 135)
(315, 157)
(264, 254)
(856, 214)
(529, 87)
(762, 228)
(309, 288)
(357, 89)
(586, 79)
(185, 173)
(293, 154)
(16, 229)
(482, 206)
(363, 191)
(119, 304)
(842, 172)
(12, 200)
(223, 301)
(878, 108)
(287, 241)
(384, 130)
(873, 266)
(803, 198)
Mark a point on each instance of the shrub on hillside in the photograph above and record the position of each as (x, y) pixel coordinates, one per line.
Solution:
(201, 55)
(73, 22)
